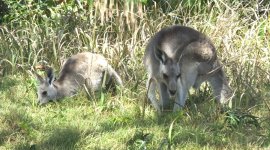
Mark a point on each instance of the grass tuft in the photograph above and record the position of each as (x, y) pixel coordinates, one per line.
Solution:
(33, 33)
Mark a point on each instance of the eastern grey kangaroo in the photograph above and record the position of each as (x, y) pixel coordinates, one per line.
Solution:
(85, 68)
(177, 58)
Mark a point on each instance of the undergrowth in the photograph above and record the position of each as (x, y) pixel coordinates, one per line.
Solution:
(37, 32)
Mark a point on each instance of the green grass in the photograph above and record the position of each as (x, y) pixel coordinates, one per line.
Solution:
(120, 121)
(117, 123)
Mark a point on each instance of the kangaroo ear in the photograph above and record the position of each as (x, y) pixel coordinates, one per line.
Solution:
(160, 55)
(50, 75)
(38, 77)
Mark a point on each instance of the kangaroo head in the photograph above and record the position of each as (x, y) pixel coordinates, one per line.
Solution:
(46, 90)
(169, 71)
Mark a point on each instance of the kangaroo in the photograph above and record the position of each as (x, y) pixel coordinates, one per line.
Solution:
(83, 69)
(177, 58)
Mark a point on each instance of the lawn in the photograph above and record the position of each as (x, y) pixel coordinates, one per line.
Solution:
(34, 33)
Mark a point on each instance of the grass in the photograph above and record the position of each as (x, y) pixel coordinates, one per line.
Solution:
(119, 121)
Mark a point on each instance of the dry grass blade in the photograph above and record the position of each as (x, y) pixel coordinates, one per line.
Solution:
(50, 32)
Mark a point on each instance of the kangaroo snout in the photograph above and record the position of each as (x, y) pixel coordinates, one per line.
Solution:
(172, 93)
(172, 87)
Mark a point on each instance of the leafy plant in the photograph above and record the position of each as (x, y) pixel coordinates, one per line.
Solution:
(236, 118)
(139, 140)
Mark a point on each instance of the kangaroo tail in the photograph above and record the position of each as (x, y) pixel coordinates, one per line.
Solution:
(116, 77)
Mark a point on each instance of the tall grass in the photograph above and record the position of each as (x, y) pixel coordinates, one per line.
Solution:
(120, 30)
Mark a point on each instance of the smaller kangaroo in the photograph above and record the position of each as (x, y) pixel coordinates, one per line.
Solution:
(177, 58)
(85, 68)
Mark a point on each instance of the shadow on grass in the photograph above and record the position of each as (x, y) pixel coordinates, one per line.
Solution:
(17, 121)
(61, 139)
(24, 146)
(17, 129)
(3, 135)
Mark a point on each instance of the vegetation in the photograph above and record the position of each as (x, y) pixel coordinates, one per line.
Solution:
(34, 32)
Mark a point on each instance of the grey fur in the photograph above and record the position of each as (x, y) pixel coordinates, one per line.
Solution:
(177, 58)
(83, 69)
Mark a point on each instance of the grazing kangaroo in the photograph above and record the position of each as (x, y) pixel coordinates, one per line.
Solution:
(177, 58)
(85, 68)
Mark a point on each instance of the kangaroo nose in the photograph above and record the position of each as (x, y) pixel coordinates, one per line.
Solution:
(172, 92)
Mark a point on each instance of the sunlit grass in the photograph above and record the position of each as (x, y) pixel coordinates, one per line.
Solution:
(108, 121)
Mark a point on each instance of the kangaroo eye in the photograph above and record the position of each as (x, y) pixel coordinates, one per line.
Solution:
(165, 76)
(44, 93)
(179, 75)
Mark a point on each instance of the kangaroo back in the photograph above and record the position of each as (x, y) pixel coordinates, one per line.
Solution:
(83, 69)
